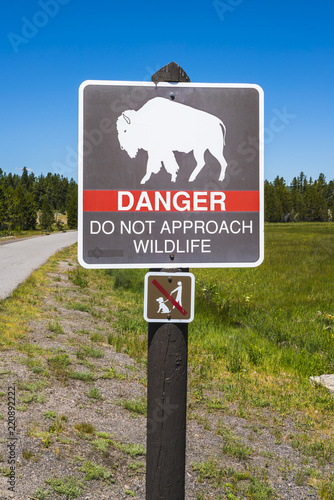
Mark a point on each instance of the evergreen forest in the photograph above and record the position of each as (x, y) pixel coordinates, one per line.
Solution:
(28, 202)
(303, 201)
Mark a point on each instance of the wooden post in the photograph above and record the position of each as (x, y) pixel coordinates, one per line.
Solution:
(166, 411)
(167, 387)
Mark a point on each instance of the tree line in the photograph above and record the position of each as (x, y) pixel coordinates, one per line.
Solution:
(303, 200)
(27, 200)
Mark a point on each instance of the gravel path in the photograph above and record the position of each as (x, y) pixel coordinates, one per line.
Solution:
(80, 413)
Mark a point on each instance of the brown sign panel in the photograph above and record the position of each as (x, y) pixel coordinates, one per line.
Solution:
(169, 297)
(170, 175)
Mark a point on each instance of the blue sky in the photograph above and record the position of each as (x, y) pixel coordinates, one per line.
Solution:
(49, 47)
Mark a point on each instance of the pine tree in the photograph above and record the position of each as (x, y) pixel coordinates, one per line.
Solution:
(46, 218)
(31, 212)
(72, 210)
(297, 199)
(2, 208)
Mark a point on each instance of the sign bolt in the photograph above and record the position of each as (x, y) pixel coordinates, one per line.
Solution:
(172, 96)
(169, 316)
(170, 279)
(171, 256)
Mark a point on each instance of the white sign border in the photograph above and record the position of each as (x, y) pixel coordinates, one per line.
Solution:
(171, 86)
(192, 298)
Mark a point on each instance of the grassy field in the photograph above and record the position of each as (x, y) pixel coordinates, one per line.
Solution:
(259, 334)
(257, 337)
(275, 318)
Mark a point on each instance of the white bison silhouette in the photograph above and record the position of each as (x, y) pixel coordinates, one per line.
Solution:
(163, 126)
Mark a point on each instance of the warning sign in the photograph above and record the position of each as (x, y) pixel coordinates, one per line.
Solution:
(170, 175)
(169, 297)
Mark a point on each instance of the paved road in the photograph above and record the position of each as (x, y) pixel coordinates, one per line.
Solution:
(20, 258)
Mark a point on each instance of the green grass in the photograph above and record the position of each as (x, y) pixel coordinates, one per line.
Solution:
(85, 427)
(112, 373)
(136, 407)
(101, 444)
(17, 311)
(134, 450)
(104, 440)
(322, 450)
(276, 320)
(232, 445)
(71, 486)
(84, 376)
(94, 393)
(55, 327)
(89, 351)
(32, 392)
(58, 365)
(327, 489)
(33, 386)
(42, 494)
(130, 493)
(95, 471)
(257, 337)
(210, 470)
(79, 306)
(136, 468)
(98, 337)
(27, 454)
(234, 483)
(79, 277)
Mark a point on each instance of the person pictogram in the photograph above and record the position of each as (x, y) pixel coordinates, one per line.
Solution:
(178, 291)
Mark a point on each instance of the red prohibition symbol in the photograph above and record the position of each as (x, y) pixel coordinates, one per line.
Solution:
(169, 297)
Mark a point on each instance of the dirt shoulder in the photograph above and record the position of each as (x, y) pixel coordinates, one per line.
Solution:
(81, 425)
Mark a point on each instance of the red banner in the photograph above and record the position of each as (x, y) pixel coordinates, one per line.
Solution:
(170, 201)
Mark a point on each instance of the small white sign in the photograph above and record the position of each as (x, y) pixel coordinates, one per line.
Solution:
(169, 297)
